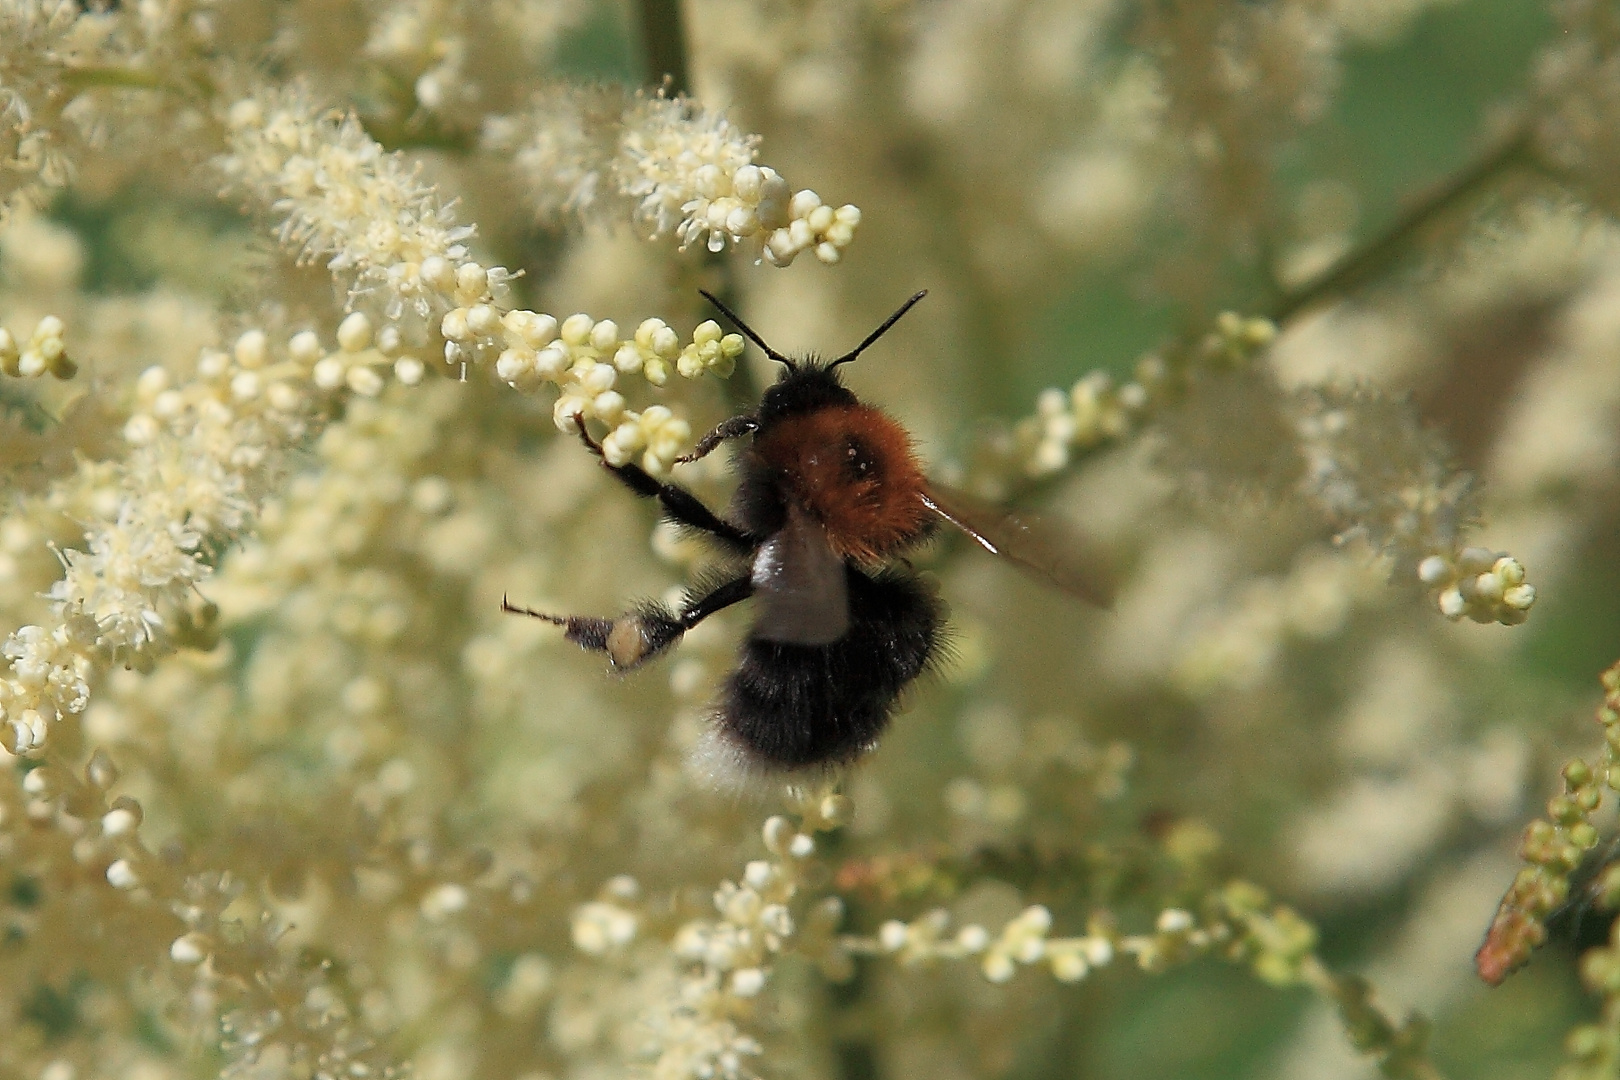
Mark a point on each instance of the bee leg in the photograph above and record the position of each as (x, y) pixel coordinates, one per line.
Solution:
(680, 505)
(700, 604)
(734, 428)
(625, 639)
(645, 633)
(640, 635)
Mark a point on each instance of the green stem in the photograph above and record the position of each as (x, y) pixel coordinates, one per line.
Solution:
(194, 84)
(1364, 262)
(1399, 1047)
(88, 77)
(663, 46)
(445, 140)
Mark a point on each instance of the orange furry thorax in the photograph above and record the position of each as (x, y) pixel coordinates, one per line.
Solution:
(853, 468)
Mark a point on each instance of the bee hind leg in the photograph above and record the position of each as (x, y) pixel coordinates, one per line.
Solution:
(641, 635)
(586, 631)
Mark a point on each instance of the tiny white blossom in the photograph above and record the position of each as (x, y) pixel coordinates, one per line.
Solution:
(188, 948)
(121, 875)
(599, 926)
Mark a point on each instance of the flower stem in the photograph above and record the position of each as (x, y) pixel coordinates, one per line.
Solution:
(663, 45)
(89, 76)
(1399, 1046)
(1362, 263)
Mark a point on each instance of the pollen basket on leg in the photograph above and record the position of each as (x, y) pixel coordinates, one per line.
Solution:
(853, 468)
(627, 642)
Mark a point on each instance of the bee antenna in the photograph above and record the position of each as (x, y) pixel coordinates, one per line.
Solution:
(879, 332)
(746, 329)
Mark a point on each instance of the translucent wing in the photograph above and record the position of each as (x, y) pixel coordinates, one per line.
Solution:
(800, 585)
(1056, 555)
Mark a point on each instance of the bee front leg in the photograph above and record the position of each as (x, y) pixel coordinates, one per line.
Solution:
(736, 427)
(680, 505)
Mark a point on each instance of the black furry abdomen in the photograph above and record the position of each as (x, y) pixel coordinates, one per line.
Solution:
(798, 706)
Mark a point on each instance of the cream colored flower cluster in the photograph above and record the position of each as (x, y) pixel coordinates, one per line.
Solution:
(1092, 412)
(609, 922)
(399, 248)
(199, 452)
(1369, 466)
(37, 37)
(50, 678)
(426, 37)
(1023, 940)
(687, 170)
(692, 170)
(1096, 410)
(1373, 470)
(362, 354)
(201, 929)
(1277, 942)
(44, 351)
(345, 201)
(585, 358)
(1479, 584)
(728, 961)
(561, 149)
